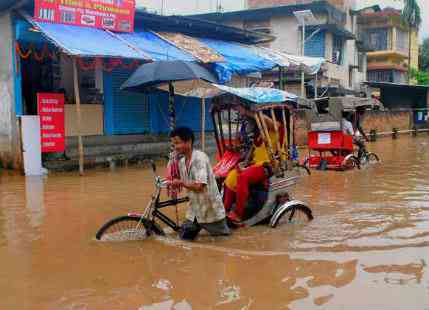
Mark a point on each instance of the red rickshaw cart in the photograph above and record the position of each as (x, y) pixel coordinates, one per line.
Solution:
(329, 146)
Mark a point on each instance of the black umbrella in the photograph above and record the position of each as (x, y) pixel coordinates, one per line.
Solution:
(162, 72)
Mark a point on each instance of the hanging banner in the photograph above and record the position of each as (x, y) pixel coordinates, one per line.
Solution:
(51, 112)
(115, 15)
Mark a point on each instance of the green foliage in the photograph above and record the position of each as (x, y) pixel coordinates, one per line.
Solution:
(411, 13)
(422, 77)
(424, 56)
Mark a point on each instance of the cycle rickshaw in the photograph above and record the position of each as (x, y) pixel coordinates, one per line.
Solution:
(272, 206)
(329, 147)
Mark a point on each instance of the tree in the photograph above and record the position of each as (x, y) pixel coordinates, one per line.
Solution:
(421, 77)
(424, 56)
(412, 18)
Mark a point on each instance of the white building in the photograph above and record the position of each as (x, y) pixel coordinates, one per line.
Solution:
(334, 37)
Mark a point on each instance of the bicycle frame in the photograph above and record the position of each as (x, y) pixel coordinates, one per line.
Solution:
(153, 212)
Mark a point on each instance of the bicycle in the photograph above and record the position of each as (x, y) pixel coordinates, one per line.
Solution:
(363, 157)
(139, 226)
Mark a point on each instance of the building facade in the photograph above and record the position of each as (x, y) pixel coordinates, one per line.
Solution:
(42, 57)
(388, 40)
(333, 37)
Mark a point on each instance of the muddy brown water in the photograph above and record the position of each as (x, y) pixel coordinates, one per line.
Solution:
(367, 248)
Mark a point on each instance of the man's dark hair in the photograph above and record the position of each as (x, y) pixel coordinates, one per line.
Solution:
(347, 115)
(184, 133)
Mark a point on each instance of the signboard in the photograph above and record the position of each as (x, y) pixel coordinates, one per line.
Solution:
(51, 112)
(115, 15)
(324, 138)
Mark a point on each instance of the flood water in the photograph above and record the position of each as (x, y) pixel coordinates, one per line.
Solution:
(367, 248)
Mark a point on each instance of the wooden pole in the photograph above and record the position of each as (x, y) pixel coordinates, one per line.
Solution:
(276, 128)
(222, 137)
(287, 132)
(203, 124)
(261, 121)
(79, 119)
(281, 83)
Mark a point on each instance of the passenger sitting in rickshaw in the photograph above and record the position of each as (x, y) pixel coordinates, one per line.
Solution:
(255, 169)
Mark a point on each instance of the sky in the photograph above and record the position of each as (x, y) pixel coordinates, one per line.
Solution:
(202, 6)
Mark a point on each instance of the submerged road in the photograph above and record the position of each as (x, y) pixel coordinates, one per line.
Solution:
(367, 248)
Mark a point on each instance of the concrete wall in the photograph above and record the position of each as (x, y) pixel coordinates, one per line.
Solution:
(92, 123)
(9, 150)
(414, 50)
(287, 34)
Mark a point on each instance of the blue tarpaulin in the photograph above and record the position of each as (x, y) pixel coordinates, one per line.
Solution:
(239, 59)
(260, 95)
(88, 42)
(157, 48)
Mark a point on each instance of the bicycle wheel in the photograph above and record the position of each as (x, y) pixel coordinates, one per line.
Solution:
(303, 169)
(127, 228)
(351, 162)
(372, 158)
(296, 214)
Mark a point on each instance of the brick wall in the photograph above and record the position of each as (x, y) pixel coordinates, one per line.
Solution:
(386, 121)
(380, 121)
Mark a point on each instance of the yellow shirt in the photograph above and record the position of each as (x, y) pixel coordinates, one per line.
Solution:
(260, 156)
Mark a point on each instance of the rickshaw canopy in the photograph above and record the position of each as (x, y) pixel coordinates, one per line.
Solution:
(261, 95)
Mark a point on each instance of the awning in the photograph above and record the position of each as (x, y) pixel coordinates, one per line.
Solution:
(311, 65)
(260, 95)
(239, 59)
(88, 42)
(154, 46)
(192, 46)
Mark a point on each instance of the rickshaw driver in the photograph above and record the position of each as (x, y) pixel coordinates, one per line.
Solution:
(205, 210)
(358, 133)
(239, 180)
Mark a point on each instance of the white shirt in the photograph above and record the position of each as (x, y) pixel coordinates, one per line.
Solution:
(347, 127)
(207, 206)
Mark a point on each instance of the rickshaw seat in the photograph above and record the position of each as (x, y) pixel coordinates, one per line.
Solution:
(225, 164)
(329, 140)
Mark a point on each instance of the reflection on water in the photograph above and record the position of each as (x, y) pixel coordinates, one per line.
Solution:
(366, 249)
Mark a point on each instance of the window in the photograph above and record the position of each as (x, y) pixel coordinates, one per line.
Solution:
(315, 46)
(377, 39)
(337, 50)
(401, 40)
(361, 61)
(380, 76)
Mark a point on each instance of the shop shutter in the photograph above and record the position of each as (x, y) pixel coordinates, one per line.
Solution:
(129, 111)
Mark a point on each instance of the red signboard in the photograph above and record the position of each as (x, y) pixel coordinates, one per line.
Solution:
(115, 15)
(51, 112)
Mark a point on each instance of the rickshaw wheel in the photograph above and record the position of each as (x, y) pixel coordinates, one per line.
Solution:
(295, 214)
(350, 162)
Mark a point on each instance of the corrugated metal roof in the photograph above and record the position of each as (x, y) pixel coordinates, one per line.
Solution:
(192, 46)
(396, 85)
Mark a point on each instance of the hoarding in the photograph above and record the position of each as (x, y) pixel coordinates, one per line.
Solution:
(115, 15)
(51, 112)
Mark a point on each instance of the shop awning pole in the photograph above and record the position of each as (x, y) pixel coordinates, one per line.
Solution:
(78, 112)
(203, 124)
(315, 86)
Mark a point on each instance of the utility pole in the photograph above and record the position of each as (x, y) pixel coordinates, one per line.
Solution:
(304, 18)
